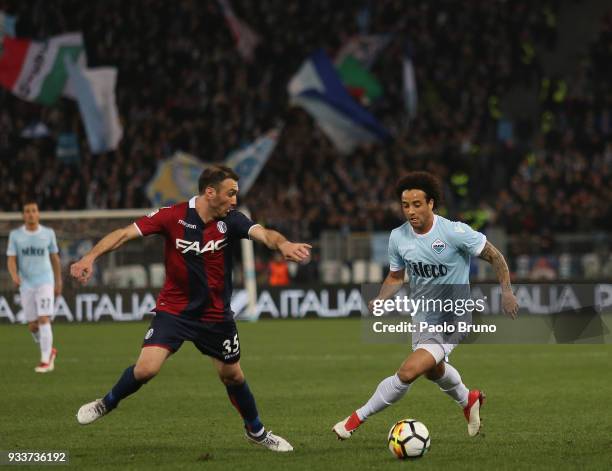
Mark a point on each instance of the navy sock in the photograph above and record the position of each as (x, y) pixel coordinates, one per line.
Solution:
(126, 385)
(243, 400)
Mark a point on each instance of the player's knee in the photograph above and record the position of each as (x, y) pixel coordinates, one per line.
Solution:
(408, 374)
(232, 378)
(146, 371)
(44, 320)
(436, 372)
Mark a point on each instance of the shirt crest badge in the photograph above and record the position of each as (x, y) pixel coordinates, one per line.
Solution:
(438, 246)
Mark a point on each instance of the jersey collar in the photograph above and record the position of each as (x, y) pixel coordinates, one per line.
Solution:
(192, 205)
(433, 226)
(25, 229)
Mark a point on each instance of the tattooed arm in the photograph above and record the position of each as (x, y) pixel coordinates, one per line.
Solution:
(496, 259)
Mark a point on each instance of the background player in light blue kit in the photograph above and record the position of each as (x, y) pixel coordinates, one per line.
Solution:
(34, 265)
(433, 251)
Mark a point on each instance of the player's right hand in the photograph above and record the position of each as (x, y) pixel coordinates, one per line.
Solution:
(371, 305)
(295, 251)
(82, 270)
(510, 305)
(17, 281)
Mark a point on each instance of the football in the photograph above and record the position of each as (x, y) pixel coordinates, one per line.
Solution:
(408, 438)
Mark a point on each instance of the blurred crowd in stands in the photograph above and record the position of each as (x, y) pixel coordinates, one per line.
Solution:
(183, 86)
(563, 182)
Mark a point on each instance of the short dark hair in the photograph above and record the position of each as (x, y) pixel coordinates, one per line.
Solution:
(27, 202)
(214, 175)
(424, 181)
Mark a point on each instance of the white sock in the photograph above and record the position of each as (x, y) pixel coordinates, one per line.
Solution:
(36, 336)
(389, 390)
(451, 384)
(258, 434)
(46, 341)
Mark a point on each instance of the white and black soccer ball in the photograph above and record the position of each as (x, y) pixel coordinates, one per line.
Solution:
(409, 438)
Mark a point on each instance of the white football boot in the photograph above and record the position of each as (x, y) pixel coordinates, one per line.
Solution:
(91, 412)
(270, 441)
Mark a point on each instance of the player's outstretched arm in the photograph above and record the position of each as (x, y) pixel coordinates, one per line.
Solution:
(294, 251)
(392, 284)
(83, 269)
(496, 259)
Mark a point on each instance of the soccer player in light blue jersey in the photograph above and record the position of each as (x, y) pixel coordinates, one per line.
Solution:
(34, 265)
(433, 252)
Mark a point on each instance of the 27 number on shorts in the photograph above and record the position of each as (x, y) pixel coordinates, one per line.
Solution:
(45, 303)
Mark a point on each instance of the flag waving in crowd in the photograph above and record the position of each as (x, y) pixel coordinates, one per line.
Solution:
(95, 93)
(177, 177)
(354, 61)
(246, 39)
(410, 87)
(317, 88)
(249, 161)
(35, 70)
(43, 71)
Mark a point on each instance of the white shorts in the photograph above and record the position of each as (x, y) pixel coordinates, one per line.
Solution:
(440, 351)
(439, 344)
(37, 302)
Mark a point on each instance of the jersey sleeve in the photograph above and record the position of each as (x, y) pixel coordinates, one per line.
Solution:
(11, 249)
(467, 239)
(239, 225)
(155, 222)
(396, 262)
(53, 242)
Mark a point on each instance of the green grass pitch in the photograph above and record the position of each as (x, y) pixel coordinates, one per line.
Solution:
(548, 407)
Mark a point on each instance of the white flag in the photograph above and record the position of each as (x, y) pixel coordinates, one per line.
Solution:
(410, 86)
(95, 93)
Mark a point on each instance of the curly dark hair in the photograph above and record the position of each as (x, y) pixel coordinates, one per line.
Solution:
(214, 175)
(423, 181)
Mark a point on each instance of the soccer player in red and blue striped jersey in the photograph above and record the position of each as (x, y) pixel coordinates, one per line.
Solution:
(194, 303)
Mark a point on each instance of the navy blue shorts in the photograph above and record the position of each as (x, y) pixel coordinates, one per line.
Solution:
(215, 339)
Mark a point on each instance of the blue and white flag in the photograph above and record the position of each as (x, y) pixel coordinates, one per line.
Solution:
(249, 161)
(317, 88)
(95, 94)
(410, 87)
(176, 178)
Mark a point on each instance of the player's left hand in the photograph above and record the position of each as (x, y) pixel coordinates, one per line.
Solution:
(82, 270)
(295, 251)
(57, 290)
(510, 305)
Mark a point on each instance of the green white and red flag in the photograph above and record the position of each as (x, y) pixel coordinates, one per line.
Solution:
(36, 70)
